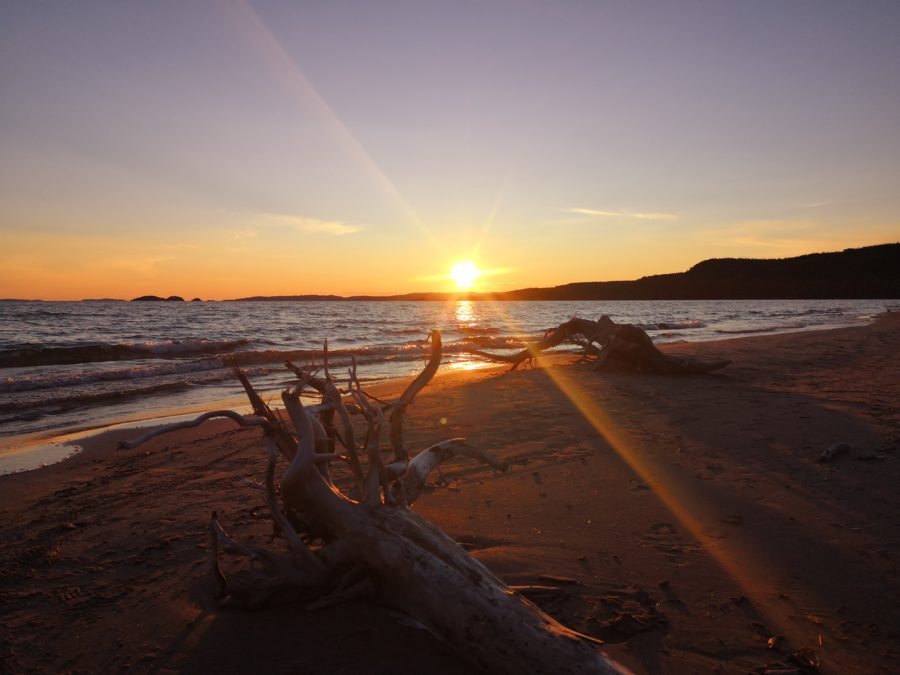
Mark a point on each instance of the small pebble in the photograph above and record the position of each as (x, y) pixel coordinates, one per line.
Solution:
(832, 452)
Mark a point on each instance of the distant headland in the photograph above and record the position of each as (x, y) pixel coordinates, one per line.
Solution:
(868, 272)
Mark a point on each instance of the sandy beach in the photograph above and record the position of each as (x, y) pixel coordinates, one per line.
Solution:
(684, 521)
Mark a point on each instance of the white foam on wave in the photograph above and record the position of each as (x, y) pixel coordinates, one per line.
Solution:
(47, 379)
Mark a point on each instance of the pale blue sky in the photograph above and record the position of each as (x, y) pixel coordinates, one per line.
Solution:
(553, 142)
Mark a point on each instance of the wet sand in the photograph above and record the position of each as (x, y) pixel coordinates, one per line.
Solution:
(684, 521)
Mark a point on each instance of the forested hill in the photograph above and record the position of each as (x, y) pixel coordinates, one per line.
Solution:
(869, 272)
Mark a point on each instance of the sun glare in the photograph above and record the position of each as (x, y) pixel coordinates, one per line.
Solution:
(464, 274)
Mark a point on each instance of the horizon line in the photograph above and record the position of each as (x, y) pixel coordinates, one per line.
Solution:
(446, 294)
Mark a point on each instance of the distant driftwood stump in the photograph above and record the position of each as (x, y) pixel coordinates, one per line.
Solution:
(613, 347)
(366, 542)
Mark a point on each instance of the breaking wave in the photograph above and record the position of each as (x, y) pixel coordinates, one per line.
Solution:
(46, 380)
(765, 329)
(673, 325)
(167, 349)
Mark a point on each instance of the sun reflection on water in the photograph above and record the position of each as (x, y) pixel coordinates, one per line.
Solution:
(465, 313)
(469, 365)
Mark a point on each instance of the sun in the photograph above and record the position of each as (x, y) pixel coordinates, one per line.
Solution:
(465, 274)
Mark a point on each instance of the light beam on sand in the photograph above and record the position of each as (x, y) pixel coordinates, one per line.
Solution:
(750, 570)
(285, 70)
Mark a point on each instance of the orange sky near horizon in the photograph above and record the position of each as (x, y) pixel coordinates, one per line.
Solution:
(90, 267)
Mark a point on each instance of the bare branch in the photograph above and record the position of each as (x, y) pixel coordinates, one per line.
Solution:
(242, 420)
(423, 378)
(286, 443)
(333, 396)
(325, 359)
(385, 404)
(230, 544)
(413, 480)
(398, 445)
(376, 478)
(259, 406)
(308, 376)
(221, 581)
(286, 569)
(591, 330)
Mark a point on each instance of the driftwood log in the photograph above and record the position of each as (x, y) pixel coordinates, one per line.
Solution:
(363, 541)
(613, 347)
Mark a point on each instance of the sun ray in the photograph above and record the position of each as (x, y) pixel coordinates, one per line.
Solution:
(748, 567)
(286, 71)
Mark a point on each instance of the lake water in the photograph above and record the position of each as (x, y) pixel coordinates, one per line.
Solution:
(68, 366)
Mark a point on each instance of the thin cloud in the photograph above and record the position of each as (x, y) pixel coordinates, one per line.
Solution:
(310, 225)
(637, 215)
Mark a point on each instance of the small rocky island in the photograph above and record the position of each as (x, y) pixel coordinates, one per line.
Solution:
(156, 298)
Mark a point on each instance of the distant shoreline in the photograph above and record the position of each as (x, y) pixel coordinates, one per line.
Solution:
(867, 273)
(872, 272)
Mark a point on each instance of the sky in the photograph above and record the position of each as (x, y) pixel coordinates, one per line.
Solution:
(233, 148)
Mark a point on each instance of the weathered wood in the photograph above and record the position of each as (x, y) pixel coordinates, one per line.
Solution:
(242, 420)
(615, 346)
(592, 331)
(412, 481)
(629, 348)
(376, 547)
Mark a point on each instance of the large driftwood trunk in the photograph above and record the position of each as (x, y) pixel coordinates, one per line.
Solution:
(364, 541)
(614, 347)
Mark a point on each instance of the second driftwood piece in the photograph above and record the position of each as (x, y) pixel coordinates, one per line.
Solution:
(363, 541)
(613, 346)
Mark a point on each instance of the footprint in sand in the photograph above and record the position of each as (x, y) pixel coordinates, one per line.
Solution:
(622, 613)
(637, 485)
(665, 538)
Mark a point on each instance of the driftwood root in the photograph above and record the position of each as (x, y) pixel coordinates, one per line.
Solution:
(613, 346)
